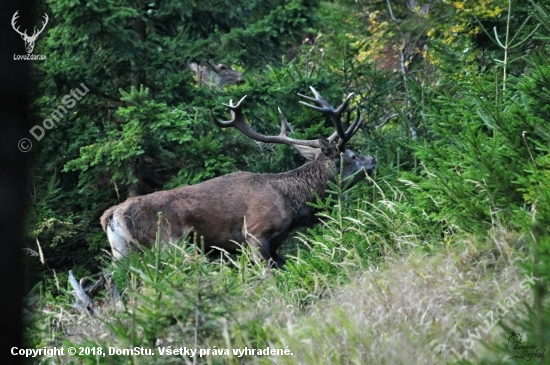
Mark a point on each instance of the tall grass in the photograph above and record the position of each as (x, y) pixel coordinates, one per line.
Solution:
(365, 286)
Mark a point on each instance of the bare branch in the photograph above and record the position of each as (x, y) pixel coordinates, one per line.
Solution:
(83, 301)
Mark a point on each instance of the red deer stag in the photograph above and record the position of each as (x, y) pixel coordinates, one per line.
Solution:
(216, 75)
(260, 209)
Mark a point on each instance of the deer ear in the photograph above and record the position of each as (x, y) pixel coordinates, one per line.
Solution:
(328, 148)
(309, 153)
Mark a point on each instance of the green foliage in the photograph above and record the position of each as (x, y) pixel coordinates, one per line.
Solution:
(477, 159)
(456, 118)
(157, 134)
(358, 227)
(146, 131)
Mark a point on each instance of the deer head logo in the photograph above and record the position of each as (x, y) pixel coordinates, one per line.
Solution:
(29, 40)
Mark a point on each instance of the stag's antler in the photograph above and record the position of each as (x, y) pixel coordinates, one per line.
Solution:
(35, 34)
(24, 34)
(336, 116)
(239, 123)
(13, 19)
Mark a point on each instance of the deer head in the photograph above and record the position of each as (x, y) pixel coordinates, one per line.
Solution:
(29, 40)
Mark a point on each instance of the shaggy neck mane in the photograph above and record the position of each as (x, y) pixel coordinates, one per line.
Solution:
(299, 186)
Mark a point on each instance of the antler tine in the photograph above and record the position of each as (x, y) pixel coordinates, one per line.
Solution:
(13, 19)
(335, 116)
(357, 123)
(284, 123)
(325, 106)
(43, 26)
(236, 114)
(317, 98)
(235, 107)
(239, 122)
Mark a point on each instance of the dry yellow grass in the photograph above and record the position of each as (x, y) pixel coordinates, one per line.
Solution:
(411, 309)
